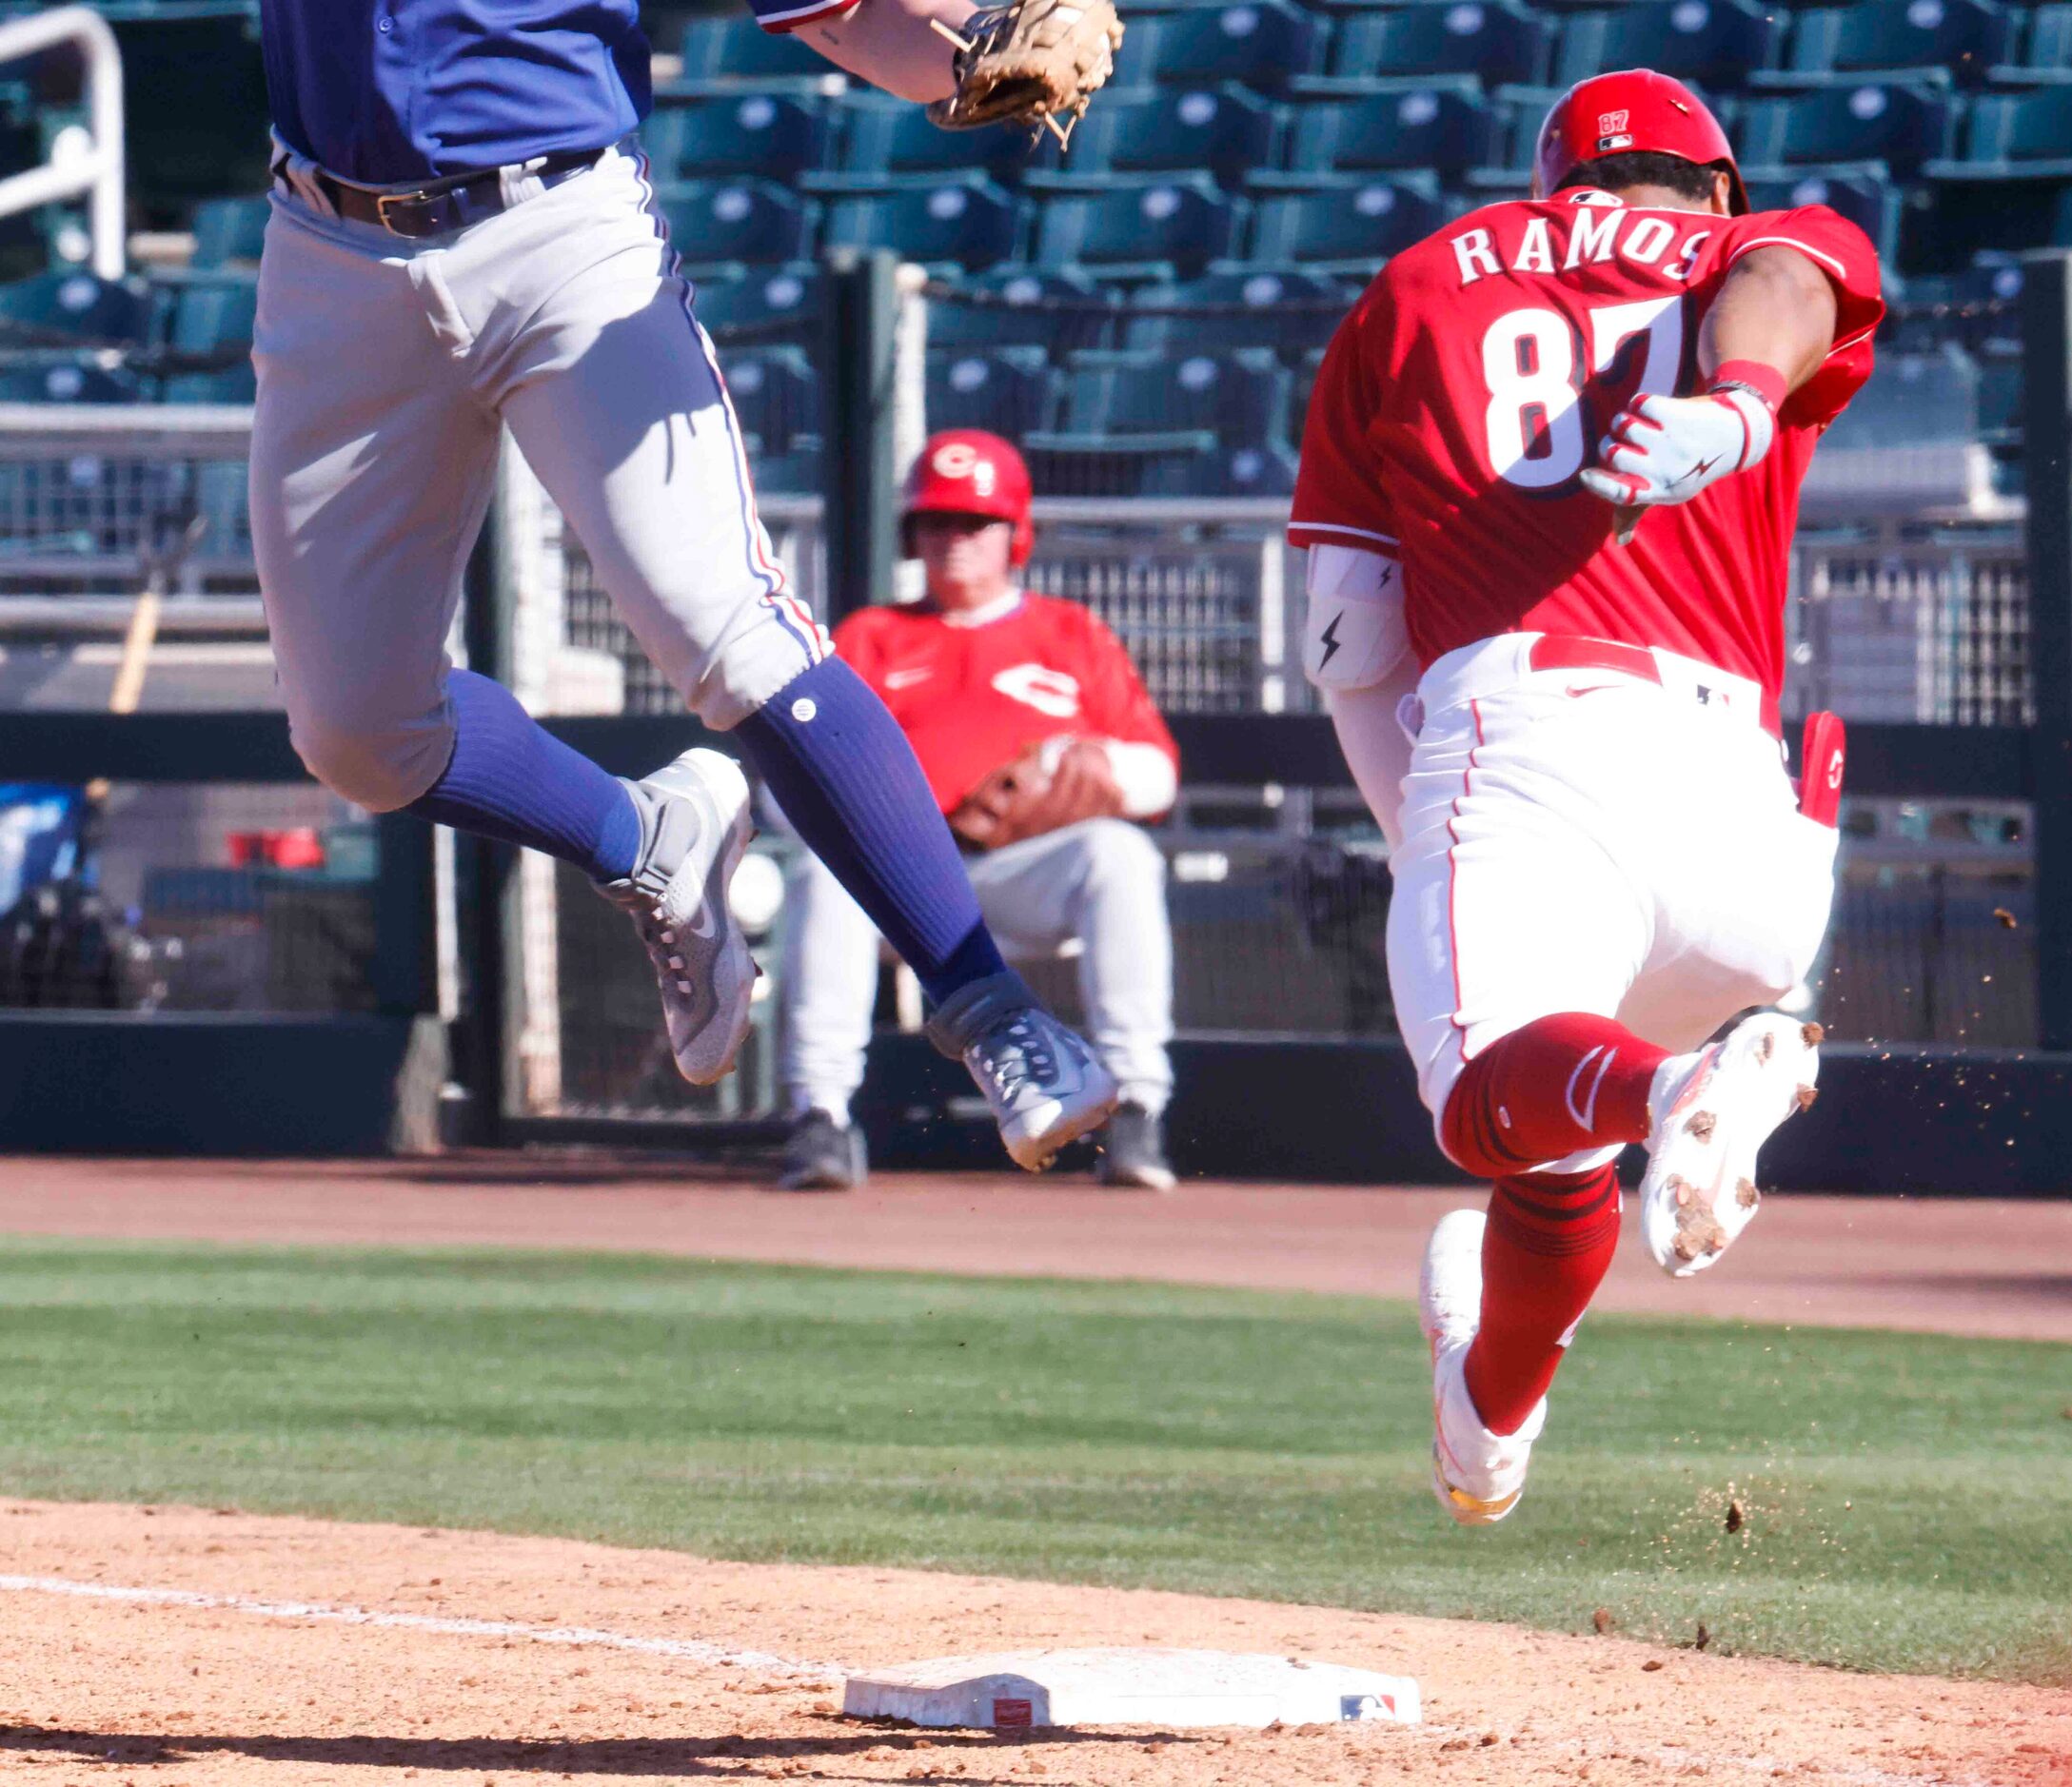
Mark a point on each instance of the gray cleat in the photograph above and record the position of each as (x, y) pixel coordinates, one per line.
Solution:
(824, 1155)
(694, 829)
(1134, 1152)
(1045, 1086)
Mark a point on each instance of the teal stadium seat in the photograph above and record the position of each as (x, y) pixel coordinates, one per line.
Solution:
(1988, 294)
(1861, 193)
(2016, 136)
(767, 297)
(1259, 42)
(1264, 469)
(1712, 44)
(776, 398)
(230, 231)
(1239, 396)
(1444, 126)
(2001, 393)
(751, 221)
(968, 223)
(1140, 424)
(2045, 49)
(1058, 309)
(1160, 227)
(730, 49)
(1901, 124)
(1225, 129)
(209, 314)
(69, 382)
(213, 313)
(1006, 389)
(1345, 223)
(75, 304)
(1495, 40)
(1287, 310)
(1913, 400)
(1958, 40)
(771, 135)
(881, 141)
(229, 384)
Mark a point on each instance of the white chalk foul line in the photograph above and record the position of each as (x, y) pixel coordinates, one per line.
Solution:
(682, 1650)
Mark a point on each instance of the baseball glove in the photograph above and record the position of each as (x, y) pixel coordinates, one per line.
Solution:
(1026, 799)
(1034, 62)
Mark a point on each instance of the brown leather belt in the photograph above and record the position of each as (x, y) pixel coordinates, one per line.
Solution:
(440, 206)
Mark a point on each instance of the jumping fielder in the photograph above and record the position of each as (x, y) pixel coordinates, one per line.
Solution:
(464, 237)
(1548, 484)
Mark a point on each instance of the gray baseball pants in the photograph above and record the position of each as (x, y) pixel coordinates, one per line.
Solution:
(1100, 882)
(387, 368)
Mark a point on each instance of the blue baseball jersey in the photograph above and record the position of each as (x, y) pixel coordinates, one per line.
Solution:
(386, 92)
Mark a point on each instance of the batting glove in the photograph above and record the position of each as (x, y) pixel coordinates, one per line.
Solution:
(1667, 449)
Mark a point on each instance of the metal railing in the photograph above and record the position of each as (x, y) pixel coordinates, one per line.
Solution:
(93, 166)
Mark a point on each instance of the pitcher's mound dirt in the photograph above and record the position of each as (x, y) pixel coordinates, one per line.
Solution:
(238, 1682)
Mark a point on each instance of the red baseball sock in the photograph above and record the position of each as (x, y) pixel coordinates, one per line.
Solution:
(1547, 1249)
(1557, 1085)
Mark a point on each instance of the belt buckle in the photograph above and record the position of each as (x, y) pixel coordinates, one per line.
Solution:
(384, 200)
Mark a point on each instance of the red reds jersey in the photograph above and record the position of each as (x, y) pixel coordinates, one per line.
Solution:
(973, 698)
(1473, 379)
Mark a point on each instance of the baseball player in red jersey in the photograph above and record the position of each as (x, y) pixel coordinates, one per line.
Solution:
(1040, 745)
(1548, 485)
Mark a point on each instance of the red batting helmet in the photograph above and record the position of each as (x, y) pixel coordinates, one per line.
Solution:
(967, 471)
(1624, 113)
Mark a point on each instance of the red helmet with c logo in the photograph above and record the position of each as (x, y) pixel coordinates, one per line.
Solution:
(967, 471)
(1624, 113)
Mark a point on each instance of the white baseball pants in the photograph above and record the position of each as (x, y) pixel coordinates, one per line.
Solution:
(1583, 840)
(1102, 882)
(385, 369)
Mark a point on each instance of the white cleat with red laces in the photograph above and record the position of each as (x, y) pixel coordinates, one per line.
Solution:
(1477, 1475)
(1711, 1113)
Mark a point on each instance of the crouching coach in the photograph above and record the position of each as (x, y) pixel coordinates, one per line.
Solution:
(1044, 751)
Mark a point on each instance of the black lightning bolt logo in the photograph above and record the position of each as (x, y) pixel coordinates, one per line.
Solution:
(1331, 639)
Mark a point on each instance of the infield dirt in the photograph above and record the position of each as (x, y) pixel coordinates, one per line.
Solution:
(109, 1690)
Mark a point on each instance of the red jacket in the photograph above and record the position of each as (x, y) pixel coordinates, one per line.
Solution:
(973, 698)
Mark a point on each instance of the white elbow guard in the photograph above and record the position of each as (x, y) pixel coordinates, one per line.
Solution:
(1357, 633)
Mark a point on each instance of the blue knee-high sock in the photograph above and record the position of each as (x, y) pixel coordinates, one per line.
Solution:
(845, 775)
(509, 778)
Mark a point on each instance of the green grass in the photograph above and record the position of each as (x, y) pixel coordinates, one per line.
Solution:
(1909, 1499)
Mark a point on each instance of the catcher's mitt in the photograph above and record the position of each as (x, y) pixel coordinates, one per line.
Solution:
(1029, 796)
(1034, 62)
